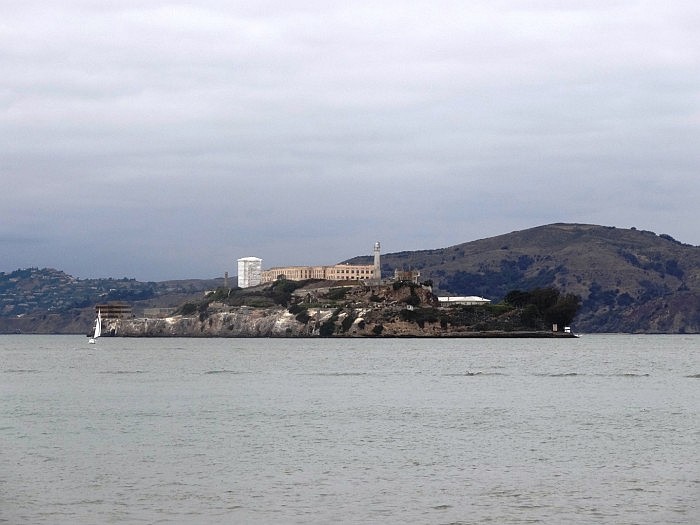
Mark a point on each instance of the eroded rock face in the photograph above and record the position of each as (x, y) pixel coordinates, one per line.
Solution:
(242, 323)
(269, 322)
(279, 322)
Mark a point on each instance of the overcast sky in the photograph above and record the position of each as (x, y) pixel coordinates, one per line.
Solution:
(159, 140)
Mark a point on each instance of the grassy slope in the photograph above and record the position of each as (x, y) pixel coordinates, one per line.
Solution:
(629, 280)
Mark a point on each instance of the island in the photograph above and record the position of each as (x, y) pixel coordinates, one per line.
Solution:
(318, 308)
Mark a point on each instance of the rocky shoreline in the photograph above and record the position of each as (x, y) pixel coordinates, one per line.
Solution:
(319, 322)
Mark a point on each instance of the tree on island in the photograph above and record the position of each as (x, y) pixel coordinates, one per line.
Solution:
(545, 303)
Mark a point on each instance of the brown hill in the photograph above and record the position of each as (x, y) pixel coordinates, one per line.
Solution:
(629, 280)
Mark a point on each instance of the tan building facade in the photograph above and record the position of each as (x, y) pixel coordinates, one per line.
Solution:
(114, 310)
(338, 272)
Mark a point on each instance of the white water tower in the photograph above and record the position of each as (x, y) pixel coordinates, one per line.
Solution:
(249, 271)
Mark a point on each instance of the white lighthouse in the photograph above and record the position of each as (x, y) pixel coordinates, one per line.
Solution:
(377, 262)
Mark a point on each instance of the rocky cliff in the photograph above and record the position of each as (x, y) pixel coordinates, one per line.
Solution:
(280, 323)
(240, 322)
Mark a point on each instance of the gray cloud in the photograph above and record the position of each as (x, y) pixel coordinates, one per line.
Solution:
(161, 140)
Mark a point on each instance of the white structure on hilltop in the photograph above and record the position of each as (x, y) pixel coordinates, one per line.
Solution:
(471, 300)
(249, 271)
(377, 262)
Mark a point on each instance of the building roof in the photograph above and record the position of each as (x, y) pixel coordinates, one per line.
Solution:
(469, 298)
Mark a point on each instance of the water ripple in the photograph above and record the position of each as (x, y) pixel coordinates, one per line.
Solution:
(118, 372)
(339, 374)
(405, 431)
(470, 374)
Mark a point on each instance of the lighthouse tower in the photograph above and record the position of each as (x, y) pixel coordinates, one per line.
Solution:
(377, 262)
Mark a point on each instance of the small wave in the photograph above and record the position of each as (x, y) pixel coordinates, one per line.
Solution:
(79, 502)
(624, 374)
(119, 372)
(222, 372)
(442, 507)
(470, 374)
(464, 374)
(21, 371)
(694, 376)
(340, 374)
(562, 374)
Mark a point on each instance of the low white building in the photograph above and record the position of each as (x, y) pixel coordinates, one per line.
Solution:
(471, 300)
(249, 271)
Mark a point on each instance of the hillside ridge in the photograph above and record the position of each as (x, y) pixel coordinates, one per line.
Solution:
(629, 280)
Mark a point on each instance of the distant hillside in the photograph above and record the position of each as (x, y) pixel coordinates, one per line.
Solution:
(629, 280)
(46, 300)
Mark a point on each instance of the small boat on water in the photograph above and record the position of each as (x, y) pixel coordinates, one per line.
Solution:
(567, 330)
(98, 329)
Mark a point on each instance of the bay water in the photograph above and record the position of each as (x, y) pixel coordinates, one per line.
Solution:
(600, 429)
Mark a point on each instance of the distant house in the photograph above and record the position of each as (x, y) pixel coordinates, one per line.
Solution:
(471, 300)
(407, 275)
(114, 310)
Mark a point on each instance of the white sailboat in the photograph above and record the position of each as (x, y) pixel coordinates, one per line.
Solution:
(98, 328)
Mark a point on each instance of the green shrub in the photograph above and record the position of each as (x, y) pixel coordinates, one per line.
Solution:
(499, 309)
(327, 328)
(412, 299)
(530, 316)
(337, 294)
(188, 309)
(347, 322)
(221, 294)
(258, 302)
(303, 317)
(296, 309)
(420, 316)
